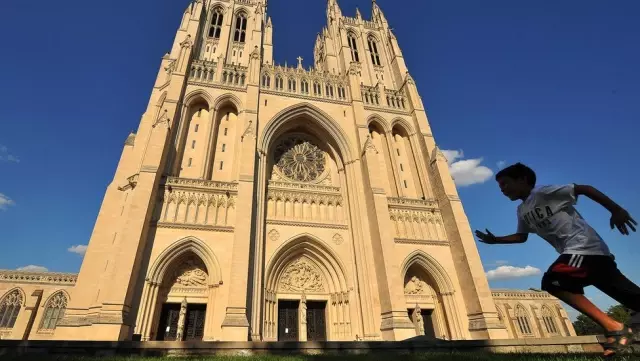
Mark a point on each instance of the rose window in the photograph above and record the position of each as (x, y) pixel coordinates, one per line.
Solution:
(299, 160)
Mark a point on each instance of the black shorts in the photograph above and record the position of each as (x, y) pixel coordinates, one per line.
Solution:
(572, 273)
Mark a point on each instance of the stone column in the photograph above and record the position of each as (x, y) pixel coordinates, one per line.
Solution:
(302, 328)
(142, 309)
(151, 307)
(451, 313)
(209, 318)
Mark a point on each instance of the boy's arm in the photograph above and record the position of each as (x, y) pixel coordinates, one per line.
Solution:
(620, 218)
(489, 238)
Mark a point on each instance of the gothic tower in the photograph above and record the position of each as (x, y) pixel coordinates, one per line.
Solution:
(265, 202)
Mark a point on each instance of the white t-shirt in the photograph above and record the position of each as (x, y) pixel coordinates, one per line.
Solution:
(549, 213)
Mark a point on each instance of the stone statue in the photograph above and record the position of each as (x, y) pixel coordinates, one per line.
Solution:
(181, 320)
(418, 321)
(303, 309)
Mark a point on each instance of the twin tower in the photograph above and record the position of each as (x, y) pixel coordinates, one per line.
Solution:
(266, 202)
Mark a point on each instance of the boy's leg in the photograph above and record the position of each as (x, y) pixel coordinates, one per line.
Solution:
(566, 279)
(617, 286)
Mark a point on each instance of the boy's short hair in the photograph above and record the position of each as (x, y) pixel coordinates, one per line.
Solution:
(519, 171)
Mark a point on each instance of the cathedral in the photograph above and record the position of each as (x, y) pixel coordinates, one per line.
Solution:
(259, 202)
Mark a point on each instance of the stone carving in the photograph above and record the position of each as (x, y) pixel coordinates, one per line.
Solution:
(298, 160)
(249, 131)
(337, 239)
(418, 321)
(274, 235)
(303, 309)
(191, 274)
(369, 146)
(300, 276)
(181, 320)
(416, 286)
(187, 43)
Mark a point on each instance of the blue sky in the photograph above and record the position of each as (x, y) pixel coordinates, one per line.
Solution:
(554, 84)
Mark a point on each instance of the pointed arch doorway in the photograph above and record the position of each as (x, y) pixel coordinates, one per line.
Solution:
(306, 298)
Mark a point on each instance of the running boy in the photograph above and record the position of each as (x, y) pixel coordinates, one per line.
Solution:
(585, 260)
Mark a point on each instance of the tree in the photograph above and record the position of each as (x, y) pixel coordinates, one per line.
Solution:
(585, 326)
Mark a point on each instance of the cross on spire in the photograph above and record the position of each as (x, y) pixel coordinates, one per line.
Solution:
(300, 61)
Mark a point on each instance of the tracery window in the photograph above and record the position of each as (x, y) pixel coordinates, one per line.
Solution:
(353, 45)
(240, 33)
(522, 318)
(266, 81)
(54, 311)
(317, 89)
(341, 92)
(373, 49)
(10, 308)
(279, 83)
(304, 86)
(299, 160)
(215, 27)
(292, 85)
(548, 319)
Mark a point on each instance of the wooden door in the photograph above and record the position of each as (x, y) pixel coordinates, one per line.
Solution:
(168, 327)
(194, 325)
(316, 325)
(288, 320)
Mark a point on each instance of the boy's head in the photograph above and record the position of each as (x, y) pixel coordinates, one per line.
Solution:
(516, 181)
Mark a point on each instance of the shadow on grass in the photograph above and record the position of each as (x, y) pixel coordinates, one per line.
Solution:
(440, 356)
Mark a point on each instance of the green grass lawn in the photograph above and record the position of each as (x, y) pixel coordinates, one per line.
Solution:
(372, 357)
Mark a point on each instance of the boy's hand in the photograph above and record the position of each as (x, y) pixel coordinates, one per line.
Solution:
(487, 238)
(621, 220)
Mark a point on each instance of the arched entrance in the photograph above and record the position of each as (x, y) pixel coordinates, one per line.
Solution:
(306, 294)
(309, 176)
(429, 296)
(178, 301)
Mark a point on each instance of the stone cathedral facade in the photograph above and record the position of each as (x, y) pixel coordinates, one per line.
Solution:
(266, 202)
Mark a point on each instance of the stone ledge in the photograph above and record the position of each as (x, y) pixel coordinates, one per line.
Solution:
(584, 344)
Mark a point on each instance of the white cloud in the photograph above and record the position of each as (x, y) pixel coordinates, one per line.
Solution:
(466, 172)
(453, 155)
(511, 272)
(5, 156)
(5, 202)
(80, 249)
(32, 268)
(501, 164)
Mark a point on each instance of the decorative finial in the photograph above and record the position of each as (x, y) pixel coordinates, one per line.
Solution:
(300, 62)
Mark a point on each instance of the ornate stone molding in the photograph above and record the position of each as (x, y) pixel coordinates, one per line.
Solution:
(197, 227)
(304, 187)
(305, 97)
(302, 197)
(381, 109)
(307, 224)
(422, 242)
(396, 202)
(189, 183)
(38, 278)
(518, 294)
